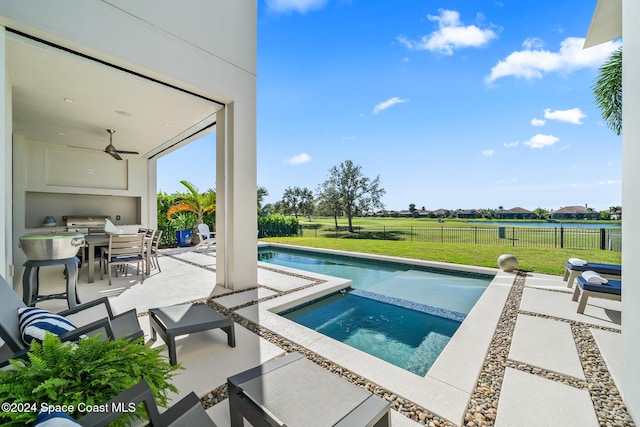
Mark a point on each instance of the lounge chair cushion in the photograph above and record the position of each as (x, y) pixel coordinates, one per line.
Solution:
(35, 322)
(613, 287)
(54, 419)
(577, 261)
(610, 269)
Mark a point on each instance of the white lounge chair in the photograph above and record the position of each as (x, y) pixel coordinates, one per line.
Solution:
(206, 236)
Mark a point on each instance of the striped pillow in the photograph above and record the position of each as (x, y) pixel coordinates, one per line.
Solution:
(54, 419)
(34, 322)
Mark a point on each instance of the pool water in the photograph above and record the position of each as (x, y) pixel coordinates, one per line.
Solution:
(406, 338)
(401, 313)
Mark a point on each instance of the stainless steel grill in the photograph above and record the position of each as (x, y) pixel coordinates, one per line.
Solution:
(87, 224)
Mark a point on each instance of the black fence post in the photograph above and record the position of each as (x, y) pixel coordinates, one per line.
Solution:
(561, 237)
(603, 239)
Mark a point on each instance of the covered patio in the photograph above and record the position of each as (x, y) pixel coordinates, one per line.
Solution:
(94, 95)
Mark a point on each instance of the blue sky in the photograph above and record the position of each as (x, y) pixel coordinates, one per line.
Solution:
(454, 104)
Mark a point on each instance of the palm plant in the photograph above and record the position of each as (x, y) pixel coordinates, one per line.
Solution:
(607, 89)
(194, 201)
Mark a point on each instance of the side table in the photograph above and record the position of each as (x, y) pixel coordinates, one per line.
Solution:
(170, 322)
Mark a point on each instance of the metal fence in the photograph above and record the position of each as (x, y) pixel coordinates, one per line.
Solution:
(553, 237)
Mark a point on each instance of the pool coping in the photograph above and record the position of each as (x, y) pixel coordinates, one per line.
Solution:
(446, 389)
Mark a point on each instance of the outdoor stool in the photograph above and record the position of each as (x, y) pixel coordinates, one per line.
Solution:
(183, 319)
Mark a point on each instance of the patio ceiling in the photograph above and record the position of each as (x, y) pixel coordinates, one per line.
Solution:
(63, 98)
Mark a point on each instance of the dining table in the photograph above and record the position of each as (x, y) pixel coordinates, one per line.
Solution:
(94, 241)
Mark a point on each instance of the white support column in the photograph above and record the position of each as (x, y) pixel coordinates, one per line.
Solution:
(6, 161)
(150, 213)
(631, 207)
(236, 185)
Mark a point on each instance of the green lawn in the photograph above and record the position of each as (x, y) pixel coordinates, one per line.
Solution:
(541, 260)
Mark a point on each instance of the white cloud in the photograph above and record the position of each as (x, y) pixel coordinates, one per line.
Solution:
(610, 182)
(533, 43)
(541, 141)
(574, 115)
(487, 153)
(388, 103)
(298, 159)
(450, 35)
(300, 6)
(538, 122)
(533, 62)
(511, 144)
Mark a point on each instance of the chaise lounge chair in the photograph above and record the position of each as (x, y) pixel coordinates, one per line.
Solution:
(609, 271)
(611, 290)
(90, 318)
(293, 390)
(187, 412)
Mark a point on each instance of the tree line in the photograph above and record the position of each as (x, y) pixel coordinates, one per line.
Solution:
(346, 192)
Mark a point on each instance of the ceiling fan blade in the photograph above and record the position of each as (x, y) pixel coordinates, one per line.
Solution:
(114, 154)
(126, 152)
(84, 148)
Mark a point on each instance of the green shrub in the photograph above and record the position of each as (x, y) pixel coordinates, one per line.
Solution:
(277, 225)
(89, 372)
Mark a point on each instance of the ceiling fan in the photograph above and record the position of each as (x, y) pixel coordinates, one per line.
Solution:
(111, 150)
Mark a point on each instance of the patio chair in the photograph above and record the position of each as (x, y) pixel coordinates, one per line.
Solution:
(123, 250)
(574, 268)
(155, 242)
(90, 318)
(611, 290)
(187, 412)
(206, 236)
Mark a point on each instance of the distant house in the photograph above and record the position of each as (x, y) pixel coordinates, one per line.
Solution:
(467, 213)
(574, 212)
(440, 213)
(516, 213)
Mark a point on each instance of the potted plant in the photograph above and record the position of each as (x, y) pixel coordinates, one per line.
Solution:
(81, 376)
(184, 223)
(194, 202)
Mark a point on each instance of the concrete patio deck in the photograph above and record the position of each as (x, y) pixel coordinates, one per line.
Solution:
(523, 356)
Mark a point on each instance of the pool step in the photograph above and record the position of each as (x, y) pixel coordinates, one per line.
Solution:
(435, 311)
(427, 353)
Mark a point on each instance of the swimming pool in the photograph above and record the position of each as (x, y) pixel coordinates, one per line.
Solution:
(402, 313)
